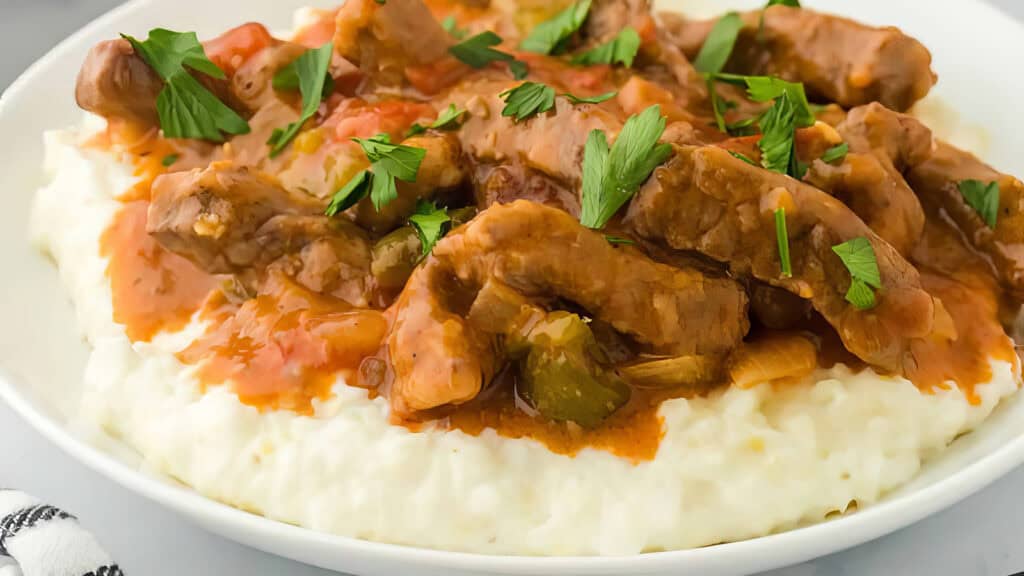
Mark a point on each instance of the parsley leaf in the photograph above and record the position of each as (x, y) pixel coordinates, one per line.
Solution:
(790, 3)
(590, 99)
(765, 88)
(357, 188)
(311, 70)
(169, 160)
(743, 157)
(619, 50)
(612, 176)
(859, 258)
(387, 162)
(431, 224)
(718, 47)
(449, 119)
(451, 26)
(984, 198)
(836, 153)
(186, 108)
(613, 240)
(550, 36)
(477, 52)
(782, 238)
(528, 99)
(777, 128)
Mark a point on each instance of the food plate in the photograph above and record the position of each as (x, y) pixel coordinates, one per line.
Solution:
(42, 356)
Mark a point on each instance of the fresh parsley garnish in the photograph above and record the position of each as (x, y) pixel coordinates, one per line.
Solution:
(449, 119)
(186, 108)
(782, 238)
(611, 177)
(388, 162)
(590, 99)
(311, 71)
(451, 26)
(719, 44)
(790, 3)
(777, 128)
(550, 36)
(169, 160)
(477, 52)
(859, 258)
(836, 153)
(742, 156)
(767, 88)
(614, 240)
(619, 50)
(357, 188)
(984, 198)
(431, 224)
(528, 99)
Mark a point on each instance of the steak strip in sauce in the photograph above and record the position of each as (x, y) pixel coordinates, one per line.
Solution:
(543, 253)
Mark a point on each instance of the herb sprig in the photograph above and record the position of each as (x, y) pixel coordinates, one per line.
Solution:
(612, 176)
(186, 108)
(449, 119)
(619, 50)
(550, 36)
(984, 198)
(531, 98)
(310, 70)
(859, 258)
(430, 223)
(388, 162)
(478, 52)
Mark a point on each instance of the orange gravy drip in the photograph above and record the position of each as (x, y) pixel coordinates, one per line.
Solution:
(285, 347)
(633, 431)
(153, 289)
(969, 292)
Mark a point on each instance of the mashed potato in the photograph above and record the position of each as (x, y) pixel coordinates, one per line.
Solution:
(739, 464)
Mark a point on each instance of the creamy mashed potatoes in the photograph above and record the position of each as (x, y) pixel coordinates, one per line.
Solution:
(735, 465)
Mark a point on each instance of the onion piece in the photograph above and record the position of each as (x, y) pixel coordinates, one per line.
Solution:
(772, 358)
(678, 371)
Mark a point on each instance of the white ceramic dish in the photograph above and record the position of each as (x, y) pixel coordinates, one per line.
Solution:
(41, 354)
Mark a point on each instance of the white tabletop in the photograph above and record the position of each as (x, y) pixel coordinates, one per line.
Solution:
(979, 537)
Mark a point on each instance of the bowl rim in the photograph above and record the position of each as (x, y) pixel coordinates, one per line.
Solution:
(761, 553)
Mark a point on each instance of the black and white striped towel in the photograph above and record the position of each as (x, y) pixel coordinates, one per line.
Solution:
(46, 541)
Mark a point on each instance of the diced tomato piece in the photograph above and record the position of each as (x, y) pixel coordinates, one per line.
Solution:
(231, 49)
(436, 76)
(638, 94)
(357, 118)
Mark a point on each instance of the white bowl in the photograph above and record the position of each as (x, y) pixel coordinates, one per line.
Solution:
(42, 355)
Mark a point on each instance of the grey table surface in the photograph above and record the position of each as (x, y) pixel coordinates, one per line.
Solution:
(982, 536)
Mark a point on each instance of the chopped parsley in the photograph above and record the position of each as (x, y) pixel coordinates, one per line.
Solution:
(719, 44)
(388, 162)
(619, 50)
(477, 52)
(311, 71)
(790, 3)
(449, 119)
(836, 153)
(612, 176)
(169, 160)
(186, 108)
(777, 128)
(616, 240)
(984, 198)
(550, 36)
(528, 99)
(357, 188)
(742, 156)
(767, 88)
(859, 258)
(431, 224)
(590, 99)
(782, 238)
(451, 26)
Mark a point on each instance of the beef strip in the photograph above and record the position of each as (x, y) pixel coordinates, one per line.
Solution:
(231, 220)
(838, 60)
(883, 145)
(936, 182)
(384, 39)
(704, 199)
(542, 253)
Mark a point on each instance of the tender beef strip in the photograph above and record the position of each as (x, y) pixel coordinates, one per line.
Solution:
(231, 220)
(442, 169)
(504, 183)
(705, 199)
(838, 60)
(115, 82)
(542, 252)
(775, 307)
(384, 39)
(937, 180)
(883, 146)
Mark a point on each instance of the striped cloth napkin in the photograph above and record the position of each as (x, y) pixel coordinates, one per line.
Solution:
(41, 540)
